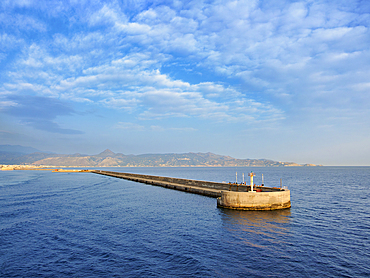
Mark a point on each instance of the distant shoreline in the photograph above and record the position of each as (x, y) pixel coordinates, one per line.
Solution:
(55, 167)
(108, 158)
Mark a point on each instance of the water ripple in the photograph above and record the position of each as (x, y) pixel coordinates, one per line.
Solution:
(84, 225)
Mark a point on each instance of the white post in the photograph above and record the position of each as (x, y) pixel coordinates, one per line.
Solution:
(236, 177)
(243, 178)
(251, 174)
(262, 180)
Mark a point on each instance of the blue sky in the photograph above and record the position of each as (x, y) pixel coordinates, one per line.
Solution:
(281, 80)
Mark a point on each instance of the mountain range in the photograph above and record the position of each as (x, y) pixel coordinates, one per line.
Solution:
(23, 155)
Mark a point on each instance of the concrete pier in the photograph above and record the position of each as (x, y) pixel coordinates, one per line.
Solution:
(232, 196)
(210, 189)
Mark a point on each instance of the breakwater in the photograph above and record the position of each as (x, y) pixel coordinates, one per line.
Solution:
(229, 195)
(206, 188)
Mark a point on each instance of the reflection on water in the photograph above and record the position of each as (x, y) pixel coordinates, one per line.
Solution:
(257, 228)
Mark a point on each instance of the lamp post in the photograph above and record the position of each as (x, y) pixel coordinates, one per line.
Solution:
(251, 174)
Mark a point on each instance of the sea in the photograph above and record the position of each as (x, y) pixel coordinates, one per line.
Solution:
(89, 225)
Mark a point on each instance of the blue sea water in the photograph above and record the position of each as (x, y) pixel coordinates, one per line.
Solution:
(88, 225)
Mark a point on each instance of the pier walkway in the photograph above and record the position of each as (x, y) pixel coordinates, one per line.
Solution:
(206, 188)
(210, 189)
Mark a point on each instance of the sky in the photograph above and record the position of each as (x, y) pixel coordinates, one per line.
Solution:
(280, 80)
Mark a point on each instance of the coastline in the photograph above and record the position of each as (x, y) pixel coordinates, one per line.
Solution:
(6, 167)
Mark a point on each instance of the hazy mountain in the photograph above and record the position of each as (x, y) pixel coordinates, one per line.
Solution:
(108, 158)
(15, 154)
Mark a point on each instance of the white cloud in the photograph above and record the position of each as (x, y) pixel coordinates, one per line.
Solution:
(16, 3)
(8, 41)
(129, 126)
(132, 82)
(22, 22)
(285, 51)
(177, 129)
(7, 103)
(105, 15)
(129, 104)
(133, 28)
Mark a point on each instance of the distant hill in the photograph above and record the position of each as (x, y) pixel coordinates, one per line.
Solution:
(108, 158)
(15, 154)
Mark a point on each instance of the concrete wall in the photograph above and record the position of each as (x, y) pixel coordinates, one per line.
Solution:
(255, 200)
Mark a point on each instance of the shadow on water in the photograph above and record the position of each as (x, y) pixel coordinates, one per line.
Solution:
(257, 228)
